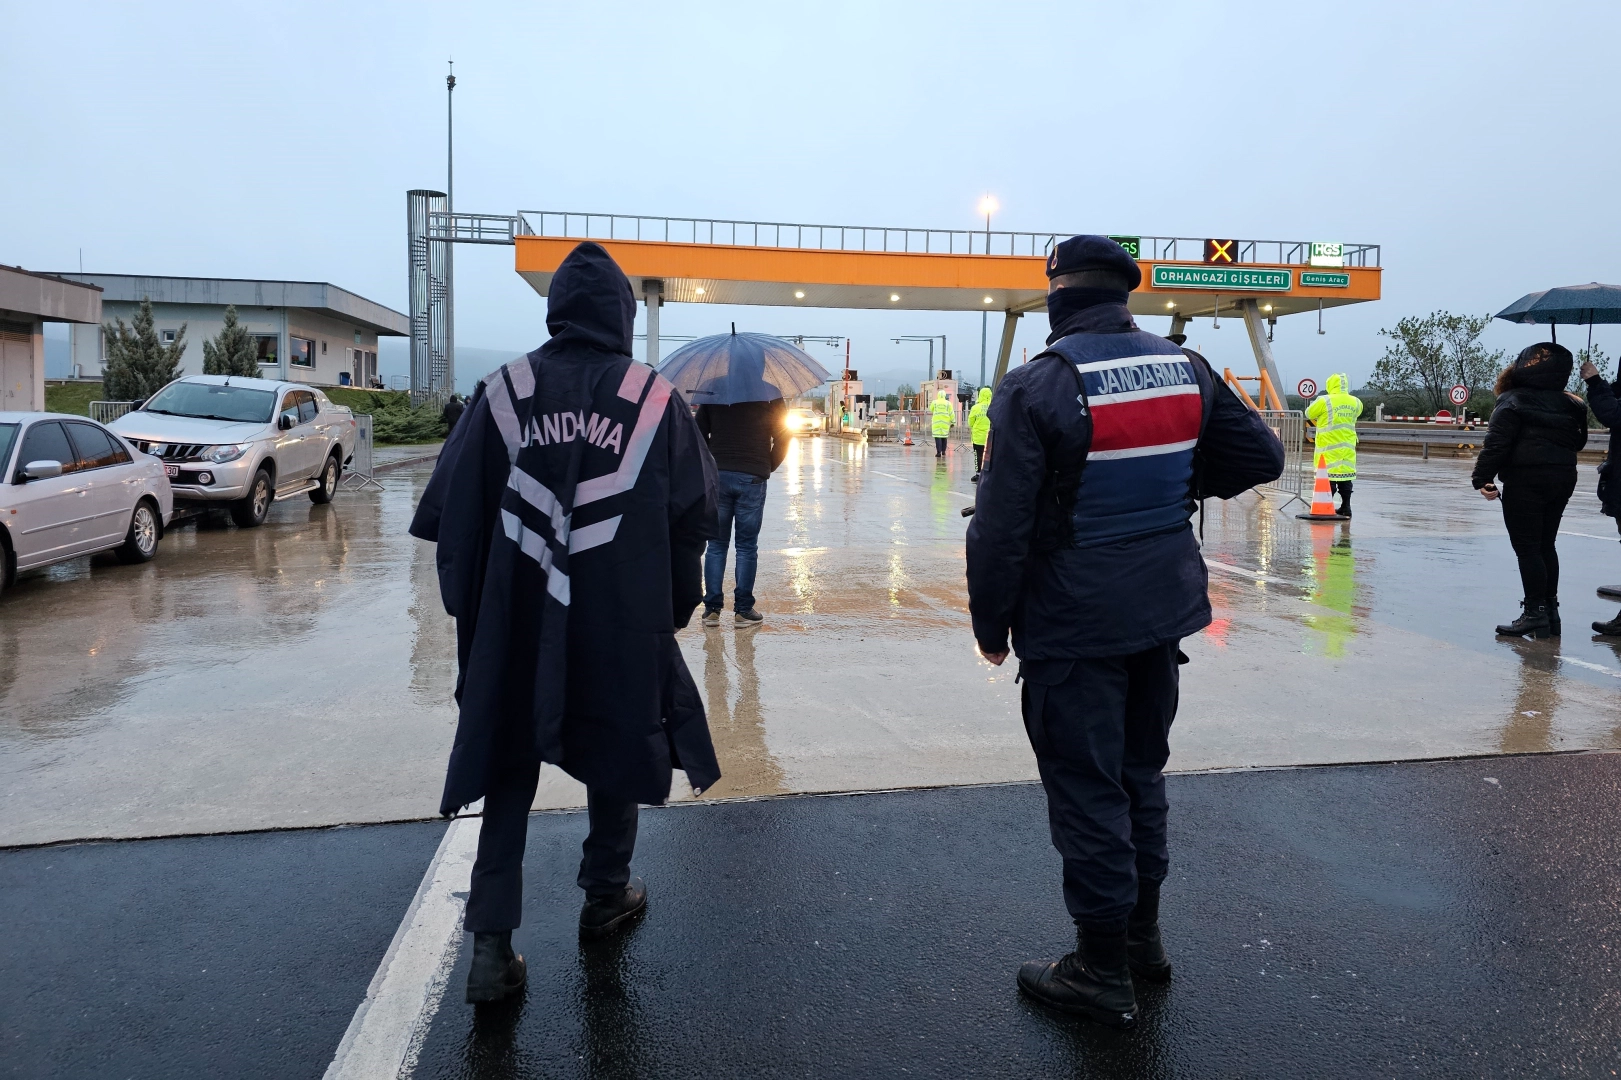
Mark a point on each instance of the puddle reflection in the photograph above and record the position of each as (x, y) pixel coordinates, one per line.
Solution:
(1333, 595)
(738, 726)
(1529, 727)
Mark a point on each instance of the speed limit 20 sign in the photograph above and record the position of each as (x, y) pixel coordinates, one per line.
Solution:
(1459, 394)
(1306, 388)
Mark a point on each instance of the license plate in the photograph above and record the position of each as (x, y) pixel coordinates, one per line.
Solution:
(172, 470)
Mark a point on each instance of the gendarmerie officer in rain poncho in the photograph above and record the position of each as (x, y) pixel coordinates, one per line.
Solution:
(1081, 546)
(571, 505)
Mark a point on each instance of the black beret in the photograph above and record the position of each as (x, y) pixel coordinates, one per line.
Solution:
(1086, 252)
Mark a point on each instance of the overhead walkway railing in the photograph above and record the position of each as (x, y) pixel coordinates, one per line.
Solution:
(789, 264)
(465, 228)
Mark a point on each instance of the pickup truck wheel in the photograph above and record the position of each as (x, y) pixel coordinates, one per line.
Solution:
(145, 530)
(250, 512)
(328, 486)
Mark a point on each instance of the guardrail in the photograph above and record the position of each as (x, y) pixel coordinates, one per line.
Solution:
(466, 228)
(105, 412)
(1453, 438)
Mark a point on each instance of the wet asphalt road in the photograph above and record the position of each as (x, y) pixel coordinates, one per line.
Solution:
(1440, 919)
(300, 674)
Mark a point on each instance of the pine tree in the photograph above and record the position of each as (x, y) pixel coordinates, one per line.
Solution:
(233, 352)
(138, 364)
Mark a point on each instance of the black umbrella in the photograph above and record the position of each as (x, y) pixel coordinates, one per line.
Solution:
(1573, 304)
(727, 369)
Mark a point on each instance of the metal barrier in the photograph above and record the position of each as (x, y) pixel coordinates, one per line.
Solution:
(1289, 425)
(361, 470)
(105, 412)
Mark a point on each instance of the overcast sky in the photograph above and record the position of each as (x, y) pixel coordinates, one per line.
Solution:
(274, 140)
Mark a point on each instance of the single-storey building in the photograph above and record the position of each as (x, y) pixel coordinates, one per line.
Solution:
(27, 302)
(307, 331)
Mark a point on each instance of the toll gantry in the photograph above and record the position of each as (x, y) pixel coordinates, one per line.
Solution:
(779, 264)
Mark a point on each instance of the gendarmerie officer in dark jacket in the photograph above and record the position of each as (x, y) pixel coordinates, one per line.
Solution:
(1535, 431)
(570, 505)
(1605, 401)
(1082, 548)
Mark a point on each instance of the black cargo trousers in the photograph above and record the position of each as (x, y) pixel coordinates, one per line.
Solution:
(1100, 729)
(495, 899)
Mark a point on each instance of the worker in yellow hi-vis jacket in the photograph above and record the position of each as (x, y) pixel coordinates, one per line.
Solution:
(1334, 415)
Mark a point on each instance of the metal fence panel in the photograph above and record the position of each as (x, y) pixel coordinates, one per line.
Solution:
(361, 464)
(1289, 425)
(105, 412)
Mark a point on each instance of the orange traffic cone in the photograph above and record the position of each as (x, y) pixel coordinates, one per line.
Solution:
(1322, 496)
(908, 440)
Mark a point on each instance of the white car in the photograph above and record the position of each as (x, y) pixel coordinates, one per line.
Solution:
(70, 487)
(243, 443)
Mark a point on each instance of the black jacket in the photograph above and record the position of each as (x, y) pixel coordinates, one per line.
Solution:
(570, 506)
(748, 437)
(1605, 401)
(1531, 426)
(1064, 602)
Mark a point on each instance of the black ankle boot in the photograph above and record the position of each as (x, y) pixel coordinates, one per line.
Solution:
(1553, 617)
(603, 915)
(1609, 629)
(1092, 981)
(497, 971)
(1145, 952)
(1533, 620)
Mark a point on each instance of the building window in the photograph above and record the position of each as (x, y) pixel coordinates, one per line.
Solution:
(300, 352)
(166, 336)
(267, 348)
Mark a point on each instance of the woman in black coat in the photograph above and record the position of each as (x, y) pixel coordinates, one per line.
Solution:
(1535, 432)
(1605, 401)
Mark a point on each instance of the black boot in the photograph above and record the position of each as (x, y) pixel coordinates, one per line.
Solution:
(1145, 952)
(1092, 981)
(1609, 629)
(1533, 620)
(497, 971)
(603, 915)
(1554, 625)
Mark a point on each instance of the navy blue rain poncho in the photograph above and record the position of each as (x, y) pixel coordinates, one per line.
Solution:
(570, 507)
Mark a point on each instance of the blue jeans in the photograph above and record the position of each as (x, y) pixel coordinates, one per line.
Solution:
(742, 499)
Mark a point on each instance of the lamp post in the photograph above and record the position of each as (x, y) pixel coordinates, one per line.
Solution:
(987, 206)
(930, 338)
(450, 248)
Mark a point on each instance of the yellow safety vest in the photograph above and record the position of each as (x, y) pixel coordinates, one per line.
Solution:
(1334, 415)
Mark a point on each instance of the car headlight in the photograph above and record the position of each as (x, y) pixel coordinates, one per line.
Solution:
(219, 455)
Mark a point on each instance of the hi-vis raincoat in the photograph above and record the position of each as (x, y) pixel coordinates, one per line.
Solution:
(979, 417)
(570, 507)
(1334, 414)
(941, 415)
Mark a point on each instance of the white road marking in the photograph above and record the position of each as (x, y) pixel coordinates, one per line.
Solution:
(387, 1030)
(1610, 671)
(1590, 536)
(1253, 575)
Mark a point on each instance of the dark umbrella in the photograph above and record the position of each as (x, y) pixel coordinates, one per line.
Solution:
(730, 368)
(1573, 304)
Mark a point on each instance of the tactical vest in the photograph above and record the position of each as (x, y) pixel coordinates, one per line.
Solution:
(1146, 404)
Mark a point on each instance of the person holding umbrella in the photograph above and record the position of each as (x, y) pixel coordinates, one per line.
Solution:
(1605, 400)
(1581, 305)
(740, 383)
(1535, 431)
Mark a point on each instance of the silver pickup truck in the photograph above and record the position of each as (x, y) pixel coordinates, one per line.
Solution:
(243, 443)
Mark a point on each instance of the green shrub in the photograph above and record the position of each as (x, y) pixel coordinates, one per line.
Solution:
(393, 419)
